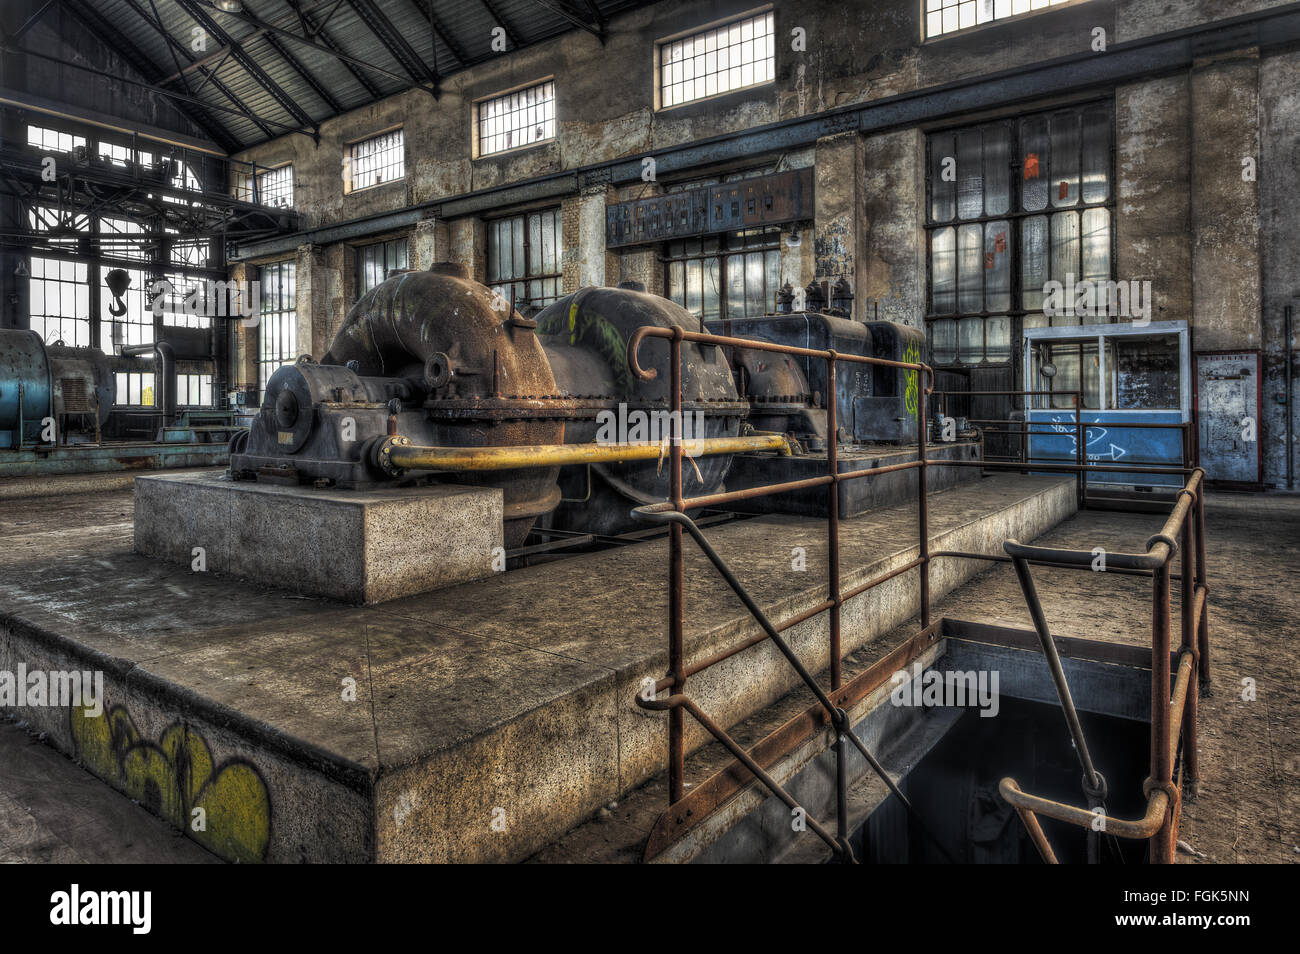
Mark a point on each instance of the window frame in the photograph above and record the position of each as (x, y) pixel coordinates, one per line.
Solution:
(476, 119)
(279, 313)
(349, 160)
(700, 31)
(383, 244)
(1053, 6)
(502, 285)
(722, 253)
(1014, 216)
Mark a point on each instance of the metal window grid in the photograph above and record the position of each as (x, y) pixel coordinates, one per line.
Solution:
(943, 17)
(522, 118)
(375, 161)
(1015, 216)
(523, 258)
(732, 56)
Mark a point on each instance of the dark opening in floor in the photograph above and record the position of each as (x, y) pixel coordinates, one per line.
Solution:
(955, 789)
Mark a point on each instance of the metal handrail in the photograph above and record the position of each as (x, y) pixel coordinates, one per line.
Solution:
(673, 512)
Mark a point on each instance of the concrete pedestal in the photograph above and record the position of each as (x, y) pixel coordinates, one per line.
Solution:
(354, 546)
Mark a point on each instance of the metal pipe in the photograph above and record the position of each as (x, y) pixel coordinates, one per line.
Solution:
(1188, 613)
(1091, 777)
(923, 508)
(1161, 762)
(1036, 835)
(1141, 828)
(676, 588)
(413, 457)
(1290, 456)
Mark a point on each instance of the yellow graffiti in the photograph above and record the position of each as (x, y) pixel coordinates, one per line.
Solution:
(175, 777)
(912, 355)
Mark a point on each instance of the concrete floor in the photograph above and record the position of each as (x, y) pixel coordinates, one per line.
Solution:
(53, 811)
(1248, 806)
(1248, 809)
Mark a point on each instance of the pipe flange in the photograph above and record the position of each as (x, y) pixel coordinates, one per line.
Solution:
(383, 455)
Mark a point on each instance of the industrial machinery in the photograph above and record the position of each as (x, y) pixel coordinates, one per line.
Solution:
(434, 377)
(40, 384)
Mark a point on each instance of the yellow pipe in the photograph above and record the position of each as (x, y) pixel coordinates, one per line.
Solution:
(394, 454)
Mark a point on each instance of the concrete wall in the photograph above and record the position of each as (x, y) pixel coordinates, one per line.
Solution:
(1219, 249)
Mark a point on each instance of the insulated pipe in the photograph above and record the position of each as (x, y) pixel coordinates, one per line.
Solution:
(397, 454)
(164, 357)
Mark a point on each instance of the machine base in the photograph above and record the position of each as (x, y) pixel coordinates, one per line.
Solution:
(353, 546)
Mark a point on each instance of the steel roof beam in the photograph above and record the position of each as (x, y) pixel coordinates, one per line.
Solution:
(393, 41)
(198, 112)
(241, 107)
(557, 7)
(435, 25)
(511, 35)
(285, 101)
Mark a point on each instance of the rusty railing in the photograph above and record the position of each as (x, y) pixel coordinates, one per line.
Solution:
(674, 513)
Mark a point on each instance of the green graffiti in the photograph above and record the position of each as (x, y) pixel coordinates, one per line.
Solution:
(910, 396)
(596, 332)
(175, 778)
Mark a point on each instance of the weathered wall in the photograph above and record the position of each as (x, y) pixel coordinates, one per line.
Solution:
(1220, 250)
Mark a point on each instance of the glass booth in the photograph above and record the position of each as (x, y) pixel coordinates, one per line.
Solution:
(1134, 387)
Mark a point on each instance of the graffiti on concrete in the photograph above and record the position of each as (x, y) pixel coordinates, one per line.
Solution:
(225, 808)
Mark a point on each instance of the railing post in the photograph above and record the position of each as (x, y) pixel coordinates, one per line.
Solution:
(1161, 765)
(1202, 582)
(1080, 450)
(833, 579)
(676, 582)
(923, 511)
(1189, 627)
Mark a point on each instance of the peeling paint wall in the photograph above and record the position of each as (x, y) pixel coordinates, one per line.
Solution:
(1220, 250)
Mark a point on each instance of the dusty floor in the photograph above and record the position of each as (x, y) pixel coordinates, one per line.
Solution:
(1248, 806)
(52, 811)
(1248, 809)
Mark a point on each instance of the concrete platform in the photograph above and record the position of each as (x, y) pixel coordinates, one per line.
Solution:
(346, 545)
(472, 724)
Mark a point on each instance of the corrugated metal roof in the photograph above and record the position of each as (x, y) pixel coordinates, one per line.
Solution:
(283, 65)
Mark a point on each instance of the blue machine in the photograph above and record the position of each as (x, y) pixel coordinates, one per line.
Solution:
(1128, 376)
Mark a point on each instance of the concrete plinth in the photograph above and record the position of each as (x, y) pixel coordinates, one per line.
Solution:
(353, 546)
(473, 724)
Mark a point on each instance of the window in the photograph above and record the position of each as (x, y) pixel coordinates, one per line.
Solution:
(60, 301)
(523, 258)
(274, 187)
(58, 289)
(373, 162)
(278, 332)
(125, 239)
(715, 61)
(735, 275)
(121, 155)
(194, 390)
(192, 252)
(522, 118)
(374, 262)
(1144, 373)
(53, 139)
(948, 16)
(1014, 205)
(135, 388)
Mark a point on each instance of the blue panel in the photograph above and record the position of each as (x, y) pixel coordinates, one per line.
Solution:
(1054, 436)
